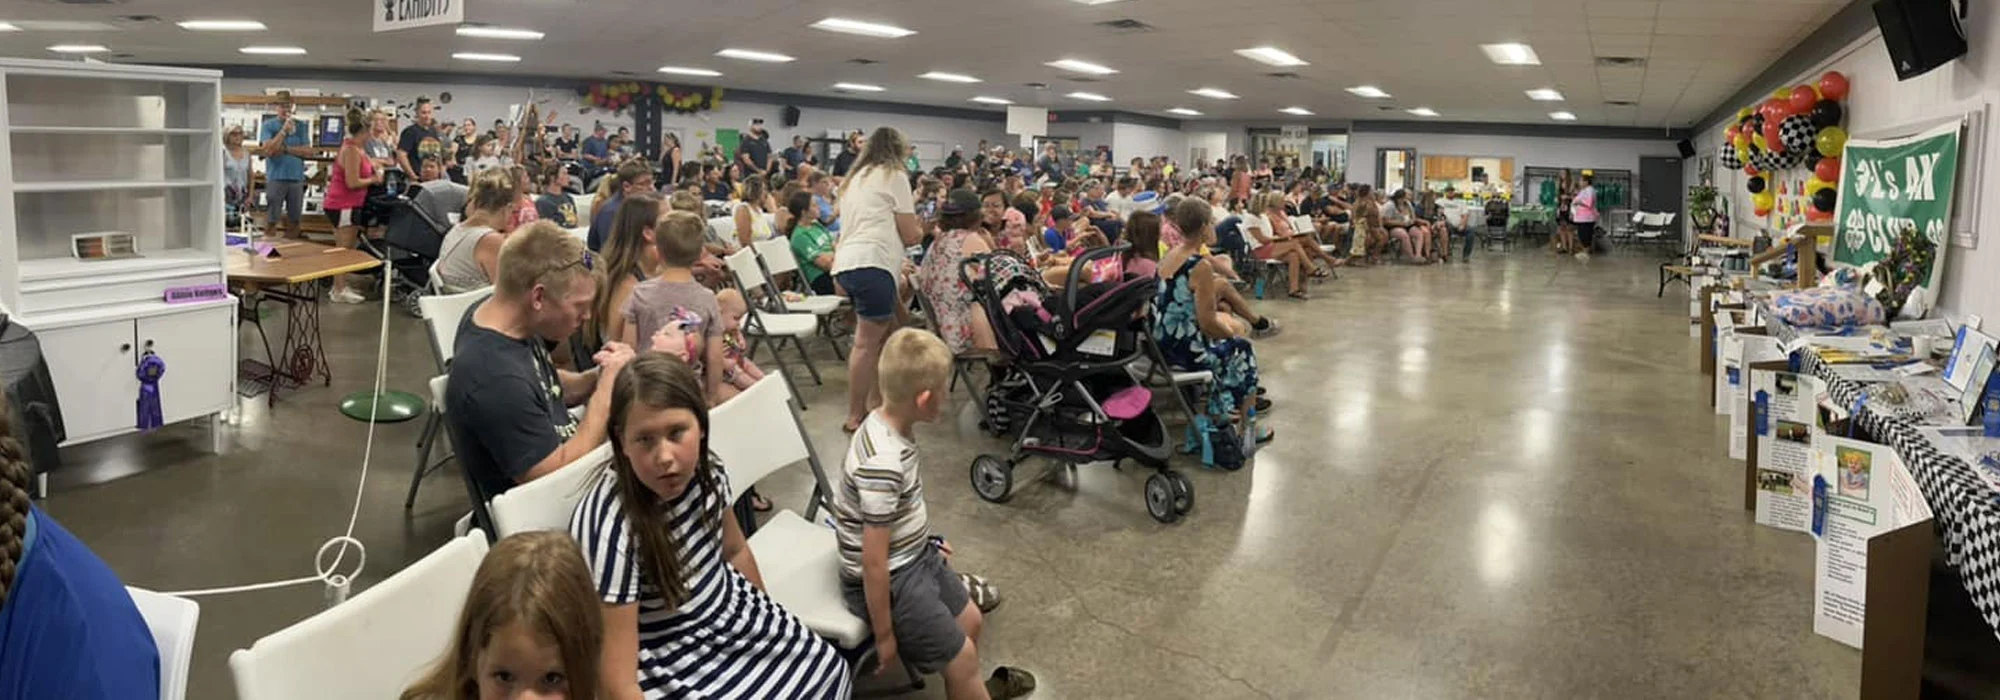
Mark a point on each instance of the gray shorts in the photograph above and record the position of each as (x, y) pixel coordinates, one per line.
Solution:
(925, 598)
(286, 195)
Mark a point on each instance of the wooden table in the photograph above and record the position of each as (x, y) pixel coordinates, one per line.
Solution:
(291, 279)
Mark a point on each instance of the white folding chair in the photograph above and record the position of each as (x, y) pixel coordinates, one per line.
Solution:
(722, 231)
(442, 313)
(172, 620)
(371, 646)
(545, 503)
(759, 324)
(775, 255)
(582, 202)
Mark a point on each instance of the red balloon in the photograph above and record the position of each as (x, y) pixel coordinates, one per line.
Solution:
(1817, 215)
(1833, 85)
(1773, 137)
(1763, 213)
(1750, 169)
(1729, 134)
(1802, 100)
(1828, 170)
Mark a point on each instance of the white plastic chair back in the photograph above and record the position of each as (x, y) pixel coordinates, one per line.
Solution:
(777, 255)
(582, 203)
(545, 503)
(442, 314)
(1302, 225)
(1667, 218)
(755, 433)
(371, 646)
(743, 265)
(722, 229)
(172, 620)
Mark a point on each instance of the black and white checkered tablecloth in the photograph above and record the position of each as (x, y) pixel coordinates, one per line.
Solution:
(1966, 510)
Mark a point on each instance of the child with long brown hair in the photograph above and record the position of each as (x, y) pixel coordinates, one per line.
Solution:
(530, 625)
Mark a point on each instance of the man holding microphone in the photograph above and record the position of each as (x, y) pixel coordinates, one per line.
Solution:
(285, 144)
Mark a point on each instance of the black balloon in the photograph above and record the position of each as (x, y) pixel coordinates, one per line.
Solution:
(1756, 123)
(1812, 158)
(1826, 113)
(1756, 185)
(1825, 199)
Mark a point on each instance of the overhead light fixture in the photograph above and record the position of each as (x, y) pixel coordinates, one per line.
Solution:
(1183, 111)
(1213, 93)
(1562, 116)
(485, 32)
(857, 27)
(748, 55)
(273, 50)
(1423, 112)
(78, 48)
(1368, 91)
(221, 25)
(1511, 54)
(982, 99)
(1545, 95)
(1297, 111)
(1075, 66)
(1271, 56)
(857, 87)
(682, 70)
(8, 27)
(494, 57)
(949, 77)
(1088, 96)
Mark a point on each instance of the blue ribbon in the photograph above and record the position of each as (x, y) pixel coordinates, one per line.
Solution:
(1763, 413)
(1818, 505)
(151, 367)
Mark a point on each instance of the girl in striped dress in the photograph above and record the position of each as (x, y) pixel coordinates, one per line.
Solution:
(685, 615)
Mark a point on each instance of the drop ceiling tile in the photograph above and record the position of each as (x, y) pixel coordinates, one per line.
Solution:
(1622, 8)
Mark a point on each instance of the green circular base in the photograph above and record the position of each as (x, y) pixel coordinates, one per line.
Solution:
(388, 407)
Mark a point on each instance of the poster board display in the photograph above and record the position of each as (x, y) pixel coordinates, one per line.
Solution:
(1887, 185)
(1786, 424)
(1752, 345)
(1862, 491)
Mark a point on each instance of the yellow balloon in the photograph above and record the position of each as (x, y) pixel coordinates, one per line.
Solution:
(1782, 93)
(1742, 154)
(1816, 184)
(1742, 144)
(1765, 199)
(1759, 140)
(1830, 141)
(1743, 114)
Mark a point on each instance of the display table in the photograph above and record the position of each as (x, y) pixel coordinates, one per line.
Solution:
(291, 279)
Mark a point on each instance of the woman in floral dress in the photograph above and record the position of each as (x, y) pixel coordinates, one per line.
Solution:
(959, 320)
(1194, 333)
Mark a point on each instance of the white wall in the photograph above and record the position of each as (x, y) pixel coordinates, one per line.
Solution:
(1216, 142)
(1552, 152)
(1089, 135)
(1877, 105)
(1130, 141)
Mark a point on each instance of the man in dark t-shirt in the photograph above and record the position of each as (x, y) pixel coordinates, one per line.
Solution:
(753, 150)
(420, 139)
(506, 403)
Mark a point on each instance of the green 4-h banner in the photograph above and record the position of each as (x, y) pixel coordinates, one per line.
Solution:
(1889, 185)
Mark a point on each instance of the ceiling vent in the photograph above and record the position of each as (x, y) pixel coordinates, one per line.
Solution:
(139, 19)
(1037, 86)
(1386, 108)
(863, 61)
(1284, 75)
(367, 60)
(623, 72)
(1084, 80)
(1125, 26)
(1620, 103)
(1621, 62)
(99, 3)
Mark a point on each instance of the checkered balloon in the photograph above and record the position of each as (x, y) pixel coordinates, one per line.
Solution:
(1797, 131)
(1729, 159)
(1791, 158)
(1761, 159)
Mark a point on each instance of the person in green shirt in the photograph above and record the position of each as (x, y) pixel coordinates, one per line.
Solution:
(812, 244)
(911, 163)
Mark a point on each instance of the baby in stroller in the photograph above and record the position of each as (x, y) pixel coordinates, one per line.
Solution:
(1066, 389)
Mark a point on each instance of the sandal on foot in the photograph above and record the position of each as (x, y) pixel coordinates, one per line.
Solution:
(759, 503)
(1008, 683)
(984, 596)
(1265, 434)
(1301, 296)
(1263, 405)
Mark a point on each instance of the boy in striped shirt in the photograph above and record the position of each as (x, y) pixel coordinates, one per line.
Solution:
(892, 571)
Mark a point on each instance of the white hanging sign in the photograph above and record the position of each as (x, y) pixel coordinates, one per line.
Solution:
(391, 15)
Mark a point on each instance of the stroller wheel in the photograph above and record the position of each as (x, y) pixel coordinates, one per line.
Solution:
(1183, 492)
(992, 478)
(1160, 498)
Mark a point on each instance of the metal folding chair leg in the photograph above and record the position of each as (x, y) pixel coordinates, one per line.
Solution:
(431, 428)
(803, 357)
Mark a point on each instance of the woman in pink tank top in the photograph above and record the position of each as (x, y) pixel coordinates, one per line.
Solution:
(346, 193)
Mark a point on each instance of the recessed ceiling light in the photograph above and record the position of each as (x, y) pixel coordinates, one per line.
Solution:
(949, 77)
(850, 26)
(1562, 116)
(78, 48)
(857, 87)
(1368, 91)
(1076, 66)
(1423, 112)
(748, 55)
(1545, 95)
(495, 57)
(982, 99)
(1271, 56)
(485, 32)
(223, 25)
(680, 70)
(273, 50)
(1511, 54)
(1297, 111)
(1183, 111)
(1088, 96)
(1213, 93)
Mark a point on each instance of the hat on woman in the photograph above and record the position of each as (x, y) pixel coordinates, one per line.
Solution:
(960, 201)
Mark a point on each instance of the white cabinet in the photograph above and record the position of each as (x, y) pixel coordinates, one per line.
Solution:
(93, 370)
(191, 343)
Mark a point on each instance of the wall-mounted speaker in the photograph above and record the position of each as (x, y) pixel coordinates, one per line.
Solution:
(791, 116)
(1920, 34)
(1687, 148)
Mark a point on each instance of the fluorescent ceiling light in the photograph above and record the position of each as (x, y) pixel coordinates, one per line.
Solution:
(1562, 116)
(1368, 91)
(223, 25)
(949, 77)
(1297, 111)
(1545, 95)
(1088, 96)
(78, 48)
(982, 99)
(1076, 66)
(1213, 93)
(748, 55)
(57, 25)
(484, 32)
(8, 27)
(857, 87)
(1183, 111)
(495, 57)
(849, 26)
(680, 70)
(1511, 54)
(273, 50)
(1271, 56)
(1423, 112)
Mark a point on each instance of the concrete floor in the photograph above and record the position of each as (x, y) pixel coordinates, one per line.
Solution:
(1490, 480)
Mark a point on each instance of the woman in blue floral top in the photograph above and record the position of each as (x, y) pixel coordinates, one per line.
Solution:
(1194, 333)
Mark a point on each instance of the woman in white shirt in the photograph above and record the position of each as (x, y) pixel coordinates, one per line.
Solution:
(878, 220)
(752, 214)
(470, 252)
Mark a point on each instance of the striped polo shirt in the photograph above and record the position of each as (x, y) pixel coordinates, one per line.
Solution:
(880, 486)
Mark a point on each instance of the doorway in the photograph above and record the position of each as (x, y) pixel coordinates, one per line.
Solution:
(1659, 184)
(1395, 168)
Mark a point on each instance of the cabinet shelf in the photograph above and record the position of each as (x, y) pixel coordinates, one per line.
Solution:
(47, 270)
(111, 130)
(101, 185)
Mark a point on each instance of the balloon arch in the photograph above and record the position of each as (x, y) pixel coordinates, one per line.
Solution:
(1799, 126)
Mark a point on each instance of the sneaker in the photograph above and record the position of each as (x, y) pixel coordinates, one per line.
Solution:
(1270, 329)
(1583, 255)
(347, 296)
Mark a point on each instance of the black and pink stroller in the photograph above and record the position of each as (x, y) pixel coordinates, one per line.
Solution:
(1065, 388)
